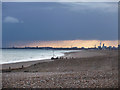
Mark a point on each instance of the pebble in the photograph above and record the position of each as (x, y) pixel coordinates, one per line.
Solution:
(89, 79)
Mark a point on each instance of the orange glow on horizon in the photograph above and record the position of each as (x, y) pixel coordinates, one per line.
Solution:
(67, 43)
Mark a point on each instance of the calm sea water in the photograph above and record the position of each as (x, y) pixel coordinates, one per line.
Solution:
(19, 55)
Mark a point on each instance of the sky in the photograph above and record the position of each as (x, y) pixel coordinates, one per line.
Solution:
(52, 23)
(60, 0)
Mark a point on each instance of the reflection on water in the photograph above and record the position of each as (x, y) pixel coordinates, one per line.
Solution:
(18, 55)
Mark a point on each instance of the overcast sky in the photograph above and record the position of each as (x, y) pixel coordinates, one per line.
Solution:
(47, 21)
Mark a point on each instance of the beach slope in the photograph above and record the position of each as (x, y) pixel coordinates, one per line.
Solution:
(81, 69)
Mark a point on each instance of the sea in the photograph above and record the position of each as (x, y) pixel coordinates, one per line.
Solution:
(22, 55)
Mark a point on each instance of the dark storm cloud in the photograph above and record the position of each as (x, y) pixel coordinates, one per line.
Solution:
(59, 21)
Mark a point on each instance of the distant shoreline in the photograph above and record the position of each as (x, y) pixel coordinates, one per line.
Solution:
(67, 48)
(45, 48)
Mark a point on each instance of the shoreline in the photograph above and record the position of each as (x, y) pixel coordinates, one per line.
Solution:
(72, 54)
(28, 62)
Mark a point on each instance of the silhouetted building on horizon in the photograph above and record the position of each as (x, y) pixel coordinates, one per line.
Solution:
(103, 47)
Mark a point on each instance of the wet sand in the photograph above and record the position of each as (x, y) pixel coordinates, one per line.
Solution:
(87, 69)
(25, 64)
